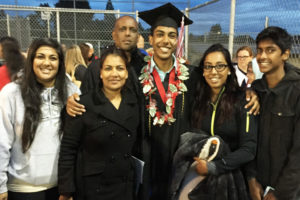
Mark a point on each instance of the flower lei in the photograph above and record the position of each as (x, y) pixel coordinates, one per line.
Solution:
(179, 87)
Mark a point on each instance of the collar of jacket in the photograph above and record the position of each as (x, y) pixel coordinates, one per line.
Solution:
(292, 73)
(136, 56)
(128, 96)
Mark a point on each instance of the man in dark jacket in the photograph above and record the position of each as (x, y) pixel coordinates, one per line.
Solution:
(125, 36)
(275, 174)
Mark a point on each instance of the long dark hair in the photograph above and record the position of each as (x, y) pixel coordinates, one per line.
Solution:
(31, 90)
(203, 92)
(12, 55)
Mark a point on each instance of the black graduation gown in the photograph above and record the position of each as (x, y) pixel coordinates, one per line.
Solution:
(163, 140)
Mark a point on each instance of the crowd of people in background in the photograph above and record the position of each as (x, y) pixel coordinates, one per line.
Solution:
(136, 124)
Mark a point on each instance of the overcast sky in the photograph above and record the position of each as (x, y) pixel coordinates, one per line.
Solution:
(250, 15)
(123, 5)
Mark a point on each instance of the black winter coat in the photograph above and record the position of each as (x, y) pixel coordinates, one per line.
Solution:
(239, 131)
(278, 153)
(95, 159)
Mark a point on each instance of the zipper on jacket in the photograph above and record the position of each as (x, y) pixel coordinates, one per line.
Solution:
(212, 124)
(247, 122)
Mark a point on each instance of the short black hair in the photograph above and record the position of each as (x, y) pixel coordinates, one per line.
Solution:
(278, 35)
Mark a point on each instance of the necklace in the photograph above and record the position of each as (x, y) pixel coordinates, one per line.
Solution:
(176, 87)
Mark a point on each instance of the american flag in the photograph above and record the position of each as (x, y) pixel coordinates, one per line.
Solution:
(180, 44)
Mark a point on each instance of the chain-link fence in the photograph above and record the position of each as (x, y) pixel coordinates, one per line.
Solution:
(69, 26)
(212, 22)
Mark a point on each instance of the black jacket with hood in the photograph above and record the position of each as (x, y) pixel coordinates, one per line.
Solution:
(278, 150)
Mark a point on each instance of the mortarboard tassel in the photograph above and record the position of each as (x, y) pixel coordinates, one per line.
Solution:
(180, 45)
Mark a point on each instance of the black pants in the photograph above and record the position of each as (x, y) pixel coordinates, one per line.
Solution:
(50, 194)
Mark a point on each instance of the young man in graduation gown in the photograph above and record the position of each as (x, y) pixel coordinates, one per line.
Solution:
(165, 81)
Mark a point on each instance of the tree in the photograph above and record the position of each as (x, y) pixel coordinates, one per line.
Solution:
(107, 25)
(216, 36)
(2, 14)
(216, 29)
(38, 26)
(244, 39)
(109, 17)
(75, 24)
(82, 4)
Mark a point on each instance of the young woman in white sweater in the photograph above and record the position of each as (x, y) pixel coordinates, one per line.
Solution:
(30, 125)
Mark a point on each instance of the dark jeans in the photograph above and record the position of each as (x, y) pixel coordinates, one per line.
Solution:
(50, 194)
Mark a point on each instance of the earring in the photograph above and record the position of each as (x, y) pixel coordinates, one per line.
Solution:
(229, 73)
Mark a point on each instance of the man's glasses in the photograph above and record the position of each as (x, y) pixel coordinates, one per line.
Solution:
(218, 68)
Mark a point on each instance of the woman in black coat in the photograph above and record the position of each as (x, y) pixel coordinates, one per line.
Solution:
(218, 110)
(95, 158)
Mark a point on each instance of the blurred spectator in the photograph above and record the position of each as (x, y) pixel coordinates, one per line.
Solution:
(13, 60)
(91, 54)
(244, 55)
(75, 64)
(141, 44)
(256, 70)
(250, 74)
(64, 48)
(84, 48)
(150, 51)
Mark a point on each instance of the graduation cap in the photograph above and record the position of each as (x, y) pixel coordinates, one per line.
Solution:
(166, 15)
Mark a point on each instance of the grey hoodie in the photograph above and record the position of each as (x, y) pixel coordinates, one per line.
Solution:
(36, 168)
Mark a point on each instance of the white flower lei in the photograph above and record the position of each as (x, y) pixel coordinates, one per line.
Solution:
(147, 79)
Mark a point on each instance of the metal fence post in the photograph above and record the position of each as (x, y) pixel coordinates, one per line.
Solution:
(57, 26)
(118, 14)
(8, 25)
(48, 27)
(99, 48)
(231, 27)
(137, 16)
